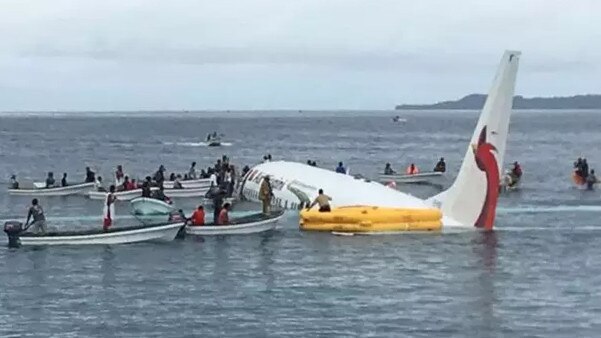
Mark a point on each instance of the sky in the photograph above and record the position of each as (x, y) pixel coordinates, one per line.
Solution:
(287, 54)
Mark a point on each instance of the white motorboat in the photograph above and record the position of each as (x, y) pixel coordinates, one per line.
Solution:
(150, 206)
(433, 177)
(189, 184)
(123, 235)
(250, 224)
(75, 189)
(185, 193)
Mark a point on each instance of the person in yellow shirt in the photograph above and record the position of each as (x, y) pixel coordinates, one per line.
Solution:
(265, 195)
(323, 200)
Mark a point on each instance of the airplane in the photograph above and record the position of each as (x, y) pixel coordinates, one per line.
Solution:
(470, 201)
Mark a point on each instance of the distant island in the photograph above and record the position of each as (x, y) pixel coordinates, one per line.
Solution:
(476, 101)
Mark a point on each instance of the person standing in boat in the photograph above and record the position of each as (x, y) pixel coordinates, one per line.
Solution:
(146, 192)
(159, 176)
(90, 175)
(224, 218)
(388, 170)
(14, 184)
(213, 179)
(265, 194)
(340, 169)
(126, 183)
(109, 208)
(198, 217)
(64, 180)
(39, 220)
(50, 180)
(119, 176)
(584, 168)
(323, 200)
(217, 196)
(160, 195)
(192, 172)
(441, 166)
(177, 184)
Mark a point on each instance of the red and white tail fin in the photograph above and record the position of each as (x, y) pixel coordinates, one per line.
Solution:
(472, 199)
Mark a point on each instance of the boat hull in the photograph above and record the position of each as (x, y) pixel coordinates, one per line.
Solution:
(255, 224)
(58, 191)
(165, 232)
(150, 206)
(190, 184)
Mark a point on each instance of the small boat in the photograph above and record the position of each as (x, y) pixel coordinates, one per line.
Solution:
(189, 184)
(122, 235)
(250, 224)
(398, 119)
(208, 202)
(75, 189)
(150, 206)
(185, 193)
(432, 177)
(508, 183)
(216, 142)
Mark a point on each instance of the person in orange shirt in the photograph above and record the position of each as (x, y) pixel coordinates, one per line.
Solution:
(224, 218)
(198, 217)
(412, 169)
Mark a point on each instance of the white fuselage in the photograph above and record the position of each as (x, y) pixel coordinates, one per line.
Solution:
(296, 184)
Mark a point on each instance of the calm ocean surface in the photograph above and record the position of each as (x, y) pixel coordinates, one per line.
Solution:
(538, 274)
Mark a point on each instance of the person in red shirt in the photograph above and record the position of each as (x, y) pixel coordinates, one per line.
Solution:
(224, 218)
(198, 217)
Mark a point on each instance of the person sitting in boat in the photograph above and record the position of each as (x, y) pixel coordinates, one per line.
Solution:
(591, 180)
(172, 177)
(441, 166)
(39, 220)
(323, 200)
(90, 175)
(192, 172)
(388, 170)
(64, 180)
(131, 185)
(126, 184)
(109, 208)
(14, 184)
(177, 184)
(198, 217)
(98, 186)
(245, 170)
(224, 218)
(412, 169)
(160, 195)
(119, 176)
(50, 180)
(340, 169)
(146, 191)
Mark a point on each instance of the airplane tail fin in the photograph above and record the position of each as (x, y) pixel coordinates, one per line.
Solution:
(472, 199)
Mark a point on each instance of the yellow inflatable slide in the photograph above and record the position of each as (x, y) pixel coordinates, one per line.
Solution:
(371, 219)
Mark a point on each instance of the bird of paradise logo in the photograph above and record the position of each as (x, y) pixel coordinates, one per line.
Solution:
(484, 155)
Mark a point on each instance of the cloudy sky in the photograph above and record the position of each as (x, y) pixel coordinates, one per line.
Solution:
(287, 54)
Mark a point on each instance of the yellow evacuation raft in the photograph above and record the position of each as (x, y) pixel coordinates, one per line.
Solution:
(371, 219)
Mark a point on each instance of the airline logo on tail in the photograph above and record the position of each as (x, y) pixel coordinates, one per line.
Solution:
(484, 155)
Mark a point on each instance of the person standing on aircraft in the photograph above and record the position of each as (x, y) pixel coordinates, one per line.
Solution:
(388, 170)
(441, 166)
(323, 200)
(412, 169)
(265, 195)
(340, 169)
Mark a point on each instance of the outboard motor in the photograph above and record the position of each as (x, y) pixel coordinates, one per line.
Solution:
(12, 230)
